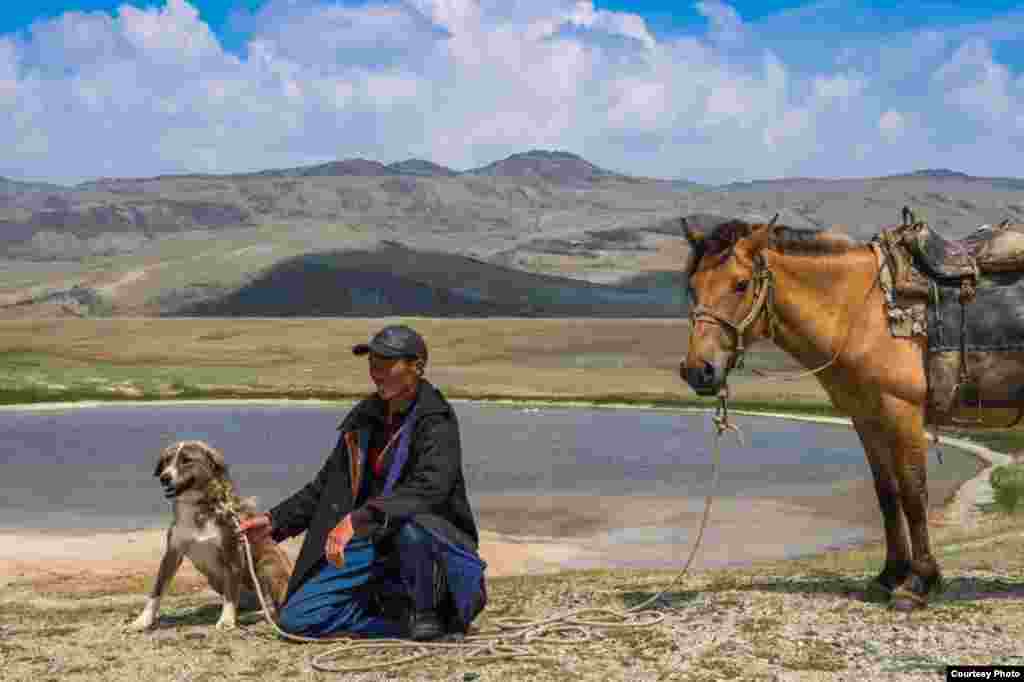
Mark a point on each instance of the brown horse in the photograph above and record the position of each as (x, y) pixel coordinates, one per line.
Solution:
(817, 296)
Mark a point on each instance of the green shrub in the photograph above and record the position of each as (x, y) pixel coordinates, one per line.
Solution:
(1008, 487)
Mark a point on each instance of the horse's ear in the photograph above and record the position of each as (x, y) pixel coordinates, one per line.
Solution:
(693, 235)
(908, 216)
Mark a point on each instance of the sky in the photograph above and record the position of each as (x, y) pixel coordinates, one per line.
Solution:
(709, 91)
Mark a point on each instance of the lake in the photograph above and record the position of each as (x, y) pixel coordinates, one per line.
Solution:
(617, 476)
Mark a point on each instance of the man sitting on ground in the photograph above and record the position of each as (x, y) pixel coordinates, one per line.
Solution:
(391, 542)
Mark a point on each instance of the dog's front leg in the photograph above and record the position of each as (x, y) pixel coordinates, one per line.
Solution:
(232, 594)
(169, 565)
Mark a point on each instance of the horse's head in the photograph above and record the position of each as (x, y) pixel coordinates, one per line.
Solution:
(729, 287)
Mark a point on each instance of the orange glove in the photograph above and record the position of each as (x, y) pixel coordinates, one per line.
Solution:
(336, 541)
(257, 528)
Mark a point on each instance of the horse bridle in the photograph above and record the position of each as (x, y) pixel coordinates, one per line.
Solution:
(764, 286)
(764, 303)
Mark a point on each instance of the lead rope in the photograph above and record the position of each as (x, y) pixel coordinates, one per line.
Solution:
(512, 637)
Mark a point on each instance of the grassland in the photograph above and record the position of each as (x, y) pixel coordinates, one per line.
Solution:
(633, 361)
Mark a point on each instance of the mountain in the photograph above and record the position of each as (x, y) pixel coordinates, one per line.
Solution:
(928, 174)
(556, 167)
(10, 187)
(947, 174)
(422, 168)
(553, 166)
(355, 167)
(936, 173)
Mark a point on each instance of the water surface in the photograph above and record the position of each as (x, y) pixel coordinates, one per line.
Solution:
(77, 468)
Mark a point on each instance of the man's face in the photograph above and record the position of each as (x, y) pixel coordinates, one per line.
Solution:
(393, 377)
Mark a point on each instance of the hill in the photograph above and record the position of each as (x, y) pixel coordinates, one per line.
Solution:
(130, 246)
(394, 280)
(561, 168)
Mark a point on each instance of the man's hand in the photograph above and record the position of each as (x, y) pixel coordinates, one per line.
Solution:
(357, 523)
(336, 541)
(256, 528)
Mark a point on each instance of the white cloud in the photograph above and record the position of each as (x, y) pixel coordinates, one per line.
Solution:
(794, 125)
(892, 124)
(387, 89)
(726, 24)
(837, 88)
(174, 32)
(637, 103)
(977, 85)
(463, 82)
(458, 16)
(615, 23)
(8, 72)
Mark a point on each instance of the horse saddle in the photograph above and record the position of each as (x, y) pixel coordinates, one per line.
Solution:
(986, 250)
(971, 293)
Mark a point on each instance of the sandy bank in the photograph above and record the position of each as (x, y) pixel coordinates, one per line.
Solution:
(125, 561)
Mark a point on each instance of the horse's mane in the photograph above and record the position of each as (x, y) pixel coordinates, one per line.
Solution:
(811, 242)
(784, 239)
(721, 240)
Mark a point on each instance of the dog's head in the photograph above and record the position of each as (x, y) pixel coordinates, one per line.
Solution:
(188, 464)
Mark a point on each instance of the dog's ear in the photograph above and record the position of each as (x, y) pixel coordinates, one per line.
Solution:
(164, 455)
(214, 456)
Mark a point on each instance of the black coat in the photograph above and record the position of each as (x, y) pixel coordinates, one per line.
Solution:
(431, 483)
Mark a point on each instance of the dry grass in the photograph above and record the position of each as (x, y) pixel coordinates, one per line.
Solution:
(809, 619)
(558, 359)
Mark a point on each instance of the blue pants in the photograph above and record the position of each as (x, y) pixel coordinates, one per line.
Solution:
(347, 599)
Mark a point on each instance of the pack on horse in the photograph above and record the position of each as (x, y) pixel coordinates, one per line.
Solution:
(907, 330)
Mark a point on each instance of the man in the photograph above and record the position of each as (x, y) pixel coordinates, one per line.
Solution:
(391, 543)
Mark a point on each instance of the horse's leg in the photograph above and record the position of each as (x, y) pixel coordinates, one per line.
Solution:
(905, 423)
(897, 547)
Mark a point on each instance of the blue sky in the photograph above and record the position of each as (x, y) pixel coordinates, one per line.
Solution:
(709, 90)
(664, 17)
(220, 15)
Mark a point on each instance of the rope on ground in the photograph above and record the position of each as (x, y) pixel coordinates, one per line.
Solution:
(511, 638)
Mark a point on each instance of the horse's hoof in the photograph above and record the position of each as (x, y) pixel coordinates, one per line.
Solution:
(905, 601)
(905, 605)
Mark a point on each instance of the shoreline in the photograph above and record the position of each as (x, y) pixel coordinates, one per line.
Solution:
(809, 408)
(525, 401)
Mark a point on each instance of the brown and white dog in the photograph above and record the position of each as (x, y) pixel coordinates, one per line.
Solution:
(194, 475)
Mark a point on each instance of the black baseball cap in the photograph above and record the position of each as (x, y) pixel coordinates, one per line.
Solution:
(395, 341)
